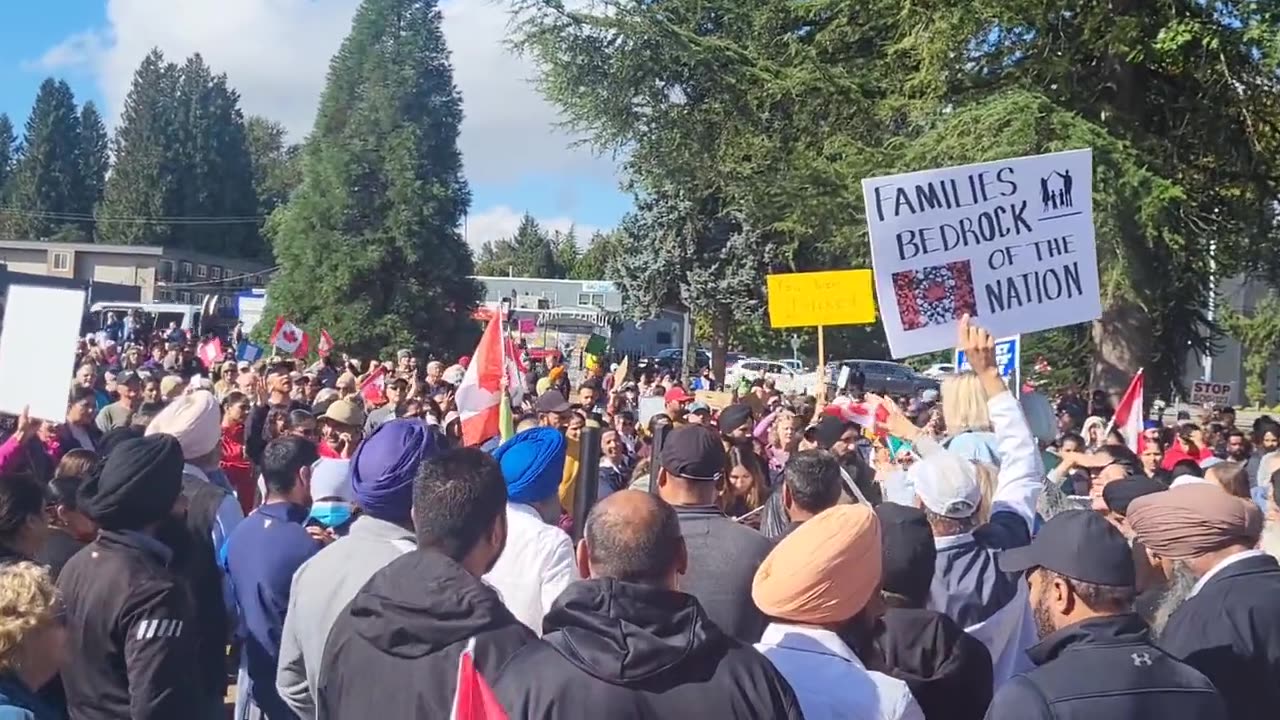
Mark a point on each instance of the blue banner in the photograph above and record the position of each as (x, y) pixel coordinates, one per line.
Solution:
(1007, 357)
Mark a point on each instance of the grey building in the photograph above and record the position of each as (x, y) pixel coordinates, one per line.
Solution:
(564, 313)
(160, 274)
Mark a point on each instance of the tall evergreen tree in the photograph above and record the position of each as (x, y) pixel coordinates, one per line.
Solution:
(144, 179)
(276, 163)
(47, 181)
(7, 141)
(95, 158)
(216, 173)
(369, 244)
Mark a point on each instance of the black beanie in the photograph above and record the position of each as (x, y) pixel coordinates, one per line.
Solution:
(136, 485)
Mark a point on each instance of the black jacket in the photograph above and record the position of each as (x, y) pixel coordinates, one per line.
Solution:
(393, 652)
(1230, 631)
(947, 669)
(723, 558)
(625, 652)
(1106, 668)
(129, 621)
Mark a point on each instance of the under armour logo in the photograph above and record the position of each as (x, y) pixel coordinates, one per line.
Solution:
(1141, 659)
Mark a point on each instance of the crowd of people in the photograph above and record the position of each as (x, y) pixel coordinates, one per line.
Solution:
(319, 538)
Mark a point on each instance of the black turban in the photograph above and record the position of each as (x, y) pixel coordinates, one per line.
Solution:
(734, 417)
(136, 485)
(1117, 495)
(110, 440)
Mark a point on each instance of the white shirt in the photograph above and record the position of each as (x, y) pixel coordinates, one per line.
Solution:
(535, 566)
(1222, 565)
(830, 682)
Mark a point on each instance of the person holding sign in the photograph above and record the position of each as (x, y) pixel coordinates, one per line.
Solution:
(991, 605)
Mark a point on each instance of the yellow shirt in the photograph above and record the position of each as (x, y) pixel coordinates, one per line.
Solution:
(569, 481)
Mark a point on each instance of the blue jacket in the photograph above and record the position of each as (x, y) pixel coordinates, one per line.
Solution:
(1102, 668)
(262, 554)
(19, 703)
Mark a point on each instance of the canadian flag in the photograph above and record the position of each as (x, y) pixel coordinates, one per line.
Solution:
(867, 415)
(210, 352)
(373, 386)
(1128, 417)
(480, 391)
(325, 346)
(474, 699)
(289, 338)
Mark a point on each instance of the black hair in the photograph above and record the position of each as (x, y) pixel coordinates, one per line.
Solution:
(813, 477)
(399, 385)
(457, 497)
(1235, 432)
(62, 490)
(1074, 437)
(77, 461)
(21, 497)
(282, 458)
(80, 394)
(298, 417)
(235, 397)
(863, 476)
(1185, 467)
(637, 547)
(1101, 598)
(145, 413)
(1121, 455)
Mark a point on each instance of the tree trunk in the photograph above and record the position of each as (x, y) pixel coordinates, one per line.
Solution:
(1122, 342)
(721, 319)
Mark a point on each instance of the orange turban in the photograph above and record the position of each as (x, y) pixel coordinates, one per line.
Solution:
(825, 571)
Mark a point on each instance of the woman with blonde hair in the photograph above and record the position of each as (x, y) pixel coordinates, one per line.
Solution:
(968, 426)
(1094, 432)
(33, 640)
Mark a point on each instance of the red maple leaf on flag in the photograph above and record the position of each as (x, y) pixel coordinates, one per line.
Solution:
(289, 336)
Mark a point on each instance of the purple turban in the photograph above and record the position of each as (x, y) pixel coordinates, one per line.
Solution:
(385, 464)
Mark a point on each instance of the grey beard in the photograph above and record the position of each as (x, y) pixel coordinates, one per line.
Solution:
(1175, 593)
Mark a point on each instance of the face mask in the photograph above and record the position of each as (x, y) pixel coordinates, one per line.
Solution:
(331, 514)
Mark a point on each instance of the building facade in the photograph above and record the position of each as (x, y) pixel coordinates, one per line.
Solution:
(563, 313)
(160, 274)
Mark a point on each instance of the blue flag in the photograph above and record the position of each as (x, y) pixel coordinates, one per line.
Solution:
(248, 352)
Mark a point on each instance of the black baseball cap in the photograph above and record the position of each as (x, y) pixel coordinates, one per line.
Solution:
(1117, 495)
(694, 452)
(551, 401)
(1078, 544)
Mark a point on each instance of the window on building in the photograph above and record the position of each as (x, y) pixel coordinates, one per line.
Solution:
(61, 261)
(184, 296)
(663, 338)
(215, 272)
(202, 271)
(166, 271)
(164, 295)
(591, 299)
(184, 271)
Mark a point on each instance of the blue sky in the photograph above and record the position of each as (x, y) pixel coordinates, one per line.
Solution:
(275, 53)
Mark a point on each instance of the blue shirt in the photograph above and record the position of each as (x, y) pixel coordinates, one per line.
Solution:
(262, 554)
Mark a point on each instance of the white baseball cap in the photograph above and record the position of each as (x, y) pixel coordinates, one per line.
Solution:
(947, 484)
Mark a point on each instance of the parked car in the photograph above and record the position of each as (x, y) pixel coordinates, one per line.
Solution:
(783, 377)
(938, 370)
(883, 377)
(672, 360)
(795, 365)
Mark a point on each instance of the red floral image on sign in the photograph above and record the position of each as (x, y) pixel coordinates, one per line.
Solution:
(935, 295)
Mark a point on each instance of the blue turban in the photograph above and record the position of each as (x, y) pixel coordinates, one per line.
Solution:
(532, 464)
(385, 464)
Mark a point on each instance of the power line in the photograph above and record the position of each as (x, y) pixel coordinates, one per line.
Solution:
(136, 220)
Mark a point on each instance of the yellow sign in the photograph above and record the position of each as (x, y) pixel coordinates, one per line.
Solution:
(833, 297)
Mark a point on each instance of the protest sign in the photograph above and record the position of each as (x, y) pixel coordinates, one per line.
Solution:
(714, 400)
(620, 374)
(1009, 243)
(650, 406)
(596, 345)
(1008, 357)
(528, 325)
(836, 297)
(38, 345)
(1211, 393)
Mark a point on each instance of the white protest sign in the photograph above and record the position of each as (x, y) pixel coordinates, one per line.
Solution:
(38, 349)
(1010, 243)
(1211, 393)
(843, 381)
(650, 406)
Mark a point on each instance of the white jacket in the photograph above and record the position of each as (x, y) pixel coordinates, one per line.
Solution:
(535, 566)
(830, 682)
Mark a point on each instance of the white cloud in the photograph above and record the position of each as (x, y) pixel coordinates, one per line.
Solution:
(501, 221)
(276, 53)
